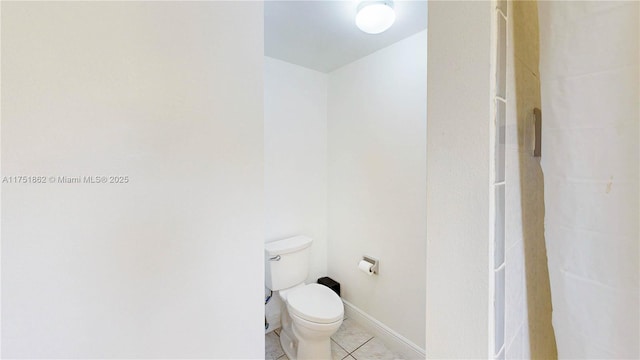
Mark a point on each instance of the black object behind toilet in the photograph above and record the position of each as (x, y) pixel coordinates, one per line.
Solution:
(330, 283)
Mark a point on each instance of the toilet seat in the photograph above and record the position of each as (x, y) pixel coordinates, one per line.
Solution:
(315, 303)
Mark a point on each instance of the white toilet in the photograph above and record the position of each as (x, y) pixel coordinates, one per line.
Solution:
(313, 312)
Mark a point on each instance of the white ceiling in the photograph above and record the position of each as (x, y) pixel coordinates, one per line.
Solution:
(322, 34)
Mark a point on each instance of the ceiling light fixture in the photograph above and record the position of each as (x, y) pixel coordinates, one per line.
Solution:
(375, 17)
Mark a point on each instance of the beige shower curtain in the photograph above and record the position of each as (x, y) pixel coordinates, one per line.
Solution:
(590, 158)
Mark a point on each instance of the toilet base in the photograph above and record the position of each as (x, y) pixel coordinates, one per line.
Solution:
(289, 345)
(314, 349)
(314, 339)
(309, 350)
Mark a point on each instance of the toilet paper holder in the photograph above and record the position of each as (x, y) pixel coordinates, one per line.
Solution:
(374, 262)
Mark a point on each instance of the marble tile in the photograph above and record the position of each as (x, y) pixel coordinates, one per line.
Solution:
(513, 201)
(501, 57)
(349, 358)
(515, 306)
(283, 357)
(499, 310)
(337, 352)
(514, 350)
(350, 335)
(502, 5)
(499, 240)
(374, 349)
(272, 350)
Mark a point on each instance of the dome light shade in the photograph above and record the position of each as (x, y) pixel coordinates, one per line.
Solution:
(375, 17)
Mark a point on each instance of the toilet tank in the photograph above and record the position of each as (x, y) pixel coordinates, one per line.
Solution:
(286, 262)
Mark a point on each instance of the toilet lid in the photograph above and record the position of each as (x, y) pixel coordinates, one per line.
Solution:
(316, 303)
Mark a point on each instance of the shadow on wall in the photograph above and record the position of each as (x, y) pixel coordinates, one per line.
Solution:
(525, 37)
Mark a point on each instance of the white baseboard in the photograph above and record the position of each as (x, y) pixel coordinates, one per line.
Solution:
(390, 338)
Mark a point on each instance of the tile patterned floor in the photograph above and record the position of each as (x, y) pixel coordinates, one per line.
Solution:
(350, 342)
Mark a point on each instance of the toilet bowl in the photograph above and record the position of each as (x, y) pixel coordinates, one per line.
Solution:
(313, 313)
(315, 338)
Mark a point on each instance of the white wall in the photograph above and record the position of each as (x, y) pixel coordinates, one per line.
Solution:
(170, 264)
(377, 175)
(458, 179)
(295, 161)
